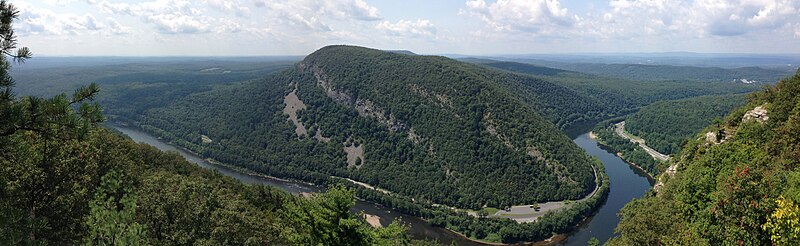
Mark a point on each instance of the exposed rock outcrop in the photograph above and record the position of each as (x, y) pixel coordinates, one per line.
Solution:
(294, 104)
(759, 114)
(318, 136)
(355, 155)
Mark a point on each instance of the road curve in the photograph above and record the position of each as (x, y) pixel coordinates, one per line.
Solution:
(526, 213)
(620, 130)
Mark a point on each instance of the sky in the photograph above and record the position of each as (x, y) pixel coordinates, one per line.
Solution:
(469, 27)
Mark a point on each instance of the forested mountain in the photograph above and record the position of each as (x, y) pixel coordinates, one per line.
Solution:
(736, 183)
(427, 127)
(665, 124)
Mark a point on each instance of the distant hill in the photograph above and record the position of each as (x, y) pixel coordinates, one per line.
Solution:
(519, 67)
(642, 72)
(52, 76)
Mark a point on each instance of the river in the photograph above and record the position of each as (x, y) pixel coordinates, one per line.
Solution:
(626, 183)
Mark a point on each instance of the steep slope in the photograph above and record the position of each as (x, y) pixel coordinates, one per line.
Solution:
(737, 183)
(426, 127)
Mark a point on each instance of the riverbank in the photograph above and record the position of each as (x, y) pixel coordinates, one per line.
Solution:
(620, 130)
(611, 149)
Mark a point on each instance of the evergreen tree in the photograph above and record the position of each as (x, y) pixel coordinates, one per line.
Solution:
(113, 210)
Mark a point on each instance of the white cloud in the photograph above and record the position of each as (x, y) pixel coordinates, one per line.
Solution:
(698, 18)
(530, 16)
(336, 9)
(117, 28)
(637, 19)
(178, 23)
(737, 17)
(230, 6)
(628, 19)
(167, 16)
(407, 28)
(42, 21)
(482, 26)
(59, 2)
(314, 15)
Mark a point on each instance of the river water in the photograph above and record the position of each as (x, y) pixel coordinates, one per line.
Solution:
(626, 183)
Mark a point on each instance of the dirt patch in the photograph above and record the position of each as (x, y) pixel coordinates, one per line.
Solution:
(206, 139)
(535, 153)
(367, 108)
(373, 220)
(325, 82)
(318, 136)
(413, 136)
(355, 155)
(441, 99)
(492, 129)
(294, 104)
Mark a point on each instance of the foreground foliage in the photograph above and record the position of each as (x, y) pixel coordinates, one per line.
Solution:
(742, 191)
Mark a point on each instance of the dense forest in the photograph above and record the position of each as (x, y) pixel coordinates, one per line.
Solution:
(430, 128)
(736, 182)
(665, 124)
